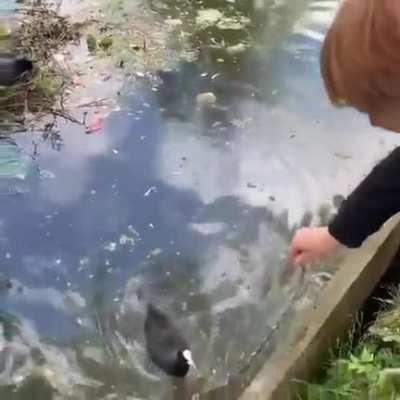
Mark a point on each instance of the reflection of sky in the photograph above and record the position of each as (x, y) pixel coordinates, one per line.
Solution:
(7, 5)
(208, 239)
(301, 151)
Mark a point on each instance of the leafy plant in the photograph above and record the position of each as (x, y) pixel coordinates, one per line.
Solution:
(369, 370)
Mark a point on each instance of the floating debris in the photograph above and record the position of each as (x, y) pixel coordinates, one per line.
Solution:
(45, 174)
(133, 231)
(111, 246)
(208, 17)
(205, 100)
(125, 240)
(106, 43)
(154, 253)
(236, 49)
(95, 125)
(342, 156)
(174, 22)
(91, 43)
(321, 278)
(233, 23)
(150, 190)
(43, 31)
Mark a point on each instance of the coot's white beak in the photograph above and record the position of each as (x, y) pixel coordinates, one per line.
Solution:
(187, 354)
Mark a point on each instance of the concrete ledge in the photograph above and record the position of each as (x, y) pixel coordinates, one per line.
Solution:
(319, 328)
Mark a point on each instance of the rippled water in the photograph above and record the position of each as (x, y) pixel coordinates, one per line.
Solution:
(194, 210)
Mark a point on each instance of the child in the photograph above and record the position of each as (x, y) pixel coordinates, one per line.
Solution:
(360, 65)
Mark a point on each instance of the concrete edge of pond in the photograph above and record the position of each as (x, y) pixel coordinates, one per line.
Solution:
(320, 327)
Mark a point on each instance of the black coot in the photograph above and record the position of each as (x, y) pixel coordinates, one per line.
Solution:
(13, 68)
(166, 347)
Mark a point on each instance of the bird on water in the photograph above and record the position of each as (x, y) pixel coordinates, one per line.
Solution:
(13, 69)
(166, 346)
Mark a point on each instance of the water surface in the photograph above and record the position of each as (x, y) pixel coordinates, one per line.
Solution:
(193, 209)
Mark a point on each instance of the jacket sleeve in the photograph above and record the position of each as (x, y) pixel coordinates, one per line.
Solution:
(372, 203)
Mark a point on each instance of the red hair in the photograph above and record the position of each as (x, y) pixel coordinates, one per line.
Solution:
(360, 60)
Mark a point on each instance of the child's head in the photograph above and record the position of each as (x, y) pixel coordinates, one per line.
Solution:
(360, 60)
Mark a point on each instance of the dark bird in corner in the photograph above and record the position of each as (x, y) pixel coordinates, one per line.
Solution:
(166, 347)
(12, 69)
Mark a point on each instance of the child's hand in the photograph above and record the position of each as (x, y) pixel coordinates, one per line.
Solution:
(310, 244)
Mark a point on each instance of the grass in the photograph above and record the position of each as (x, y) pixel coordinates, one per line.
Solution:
(364, 369)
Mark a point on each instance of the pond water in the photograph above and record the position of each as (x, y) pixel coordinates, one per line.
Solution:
(6, 21)
(191, 209)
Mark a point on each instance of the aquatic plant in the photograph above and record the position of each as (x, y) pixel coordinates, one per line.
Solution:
(42, 33)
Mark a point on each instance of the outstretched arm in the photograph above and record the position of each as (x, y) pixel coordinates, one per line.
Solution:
(373, 202)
